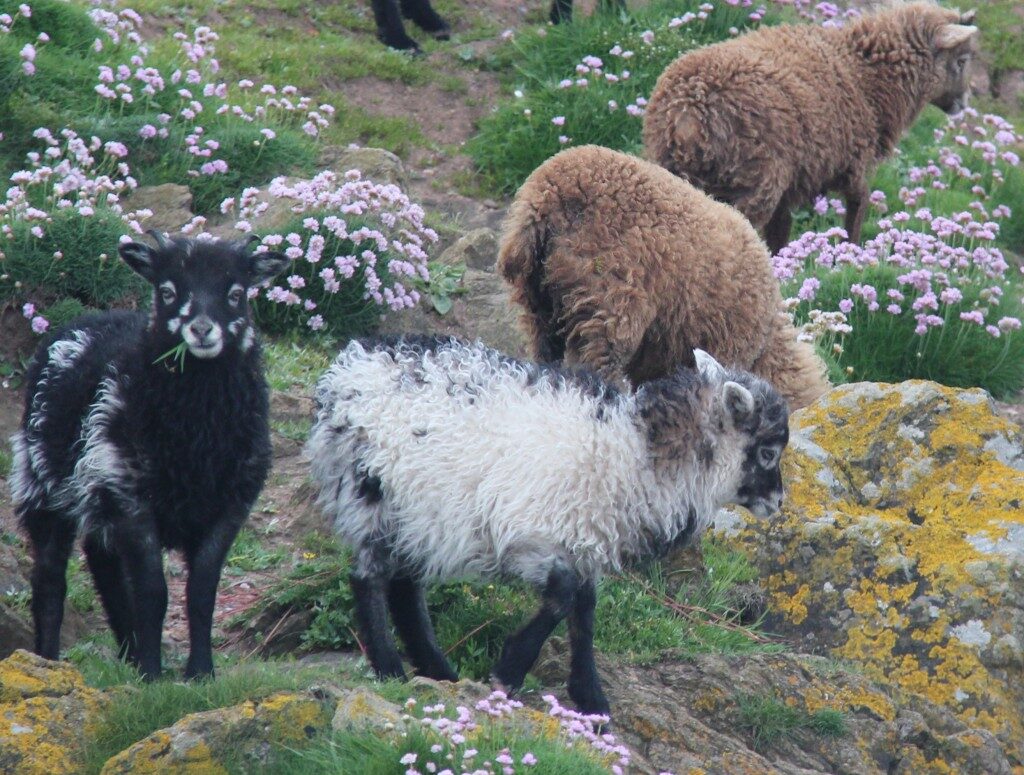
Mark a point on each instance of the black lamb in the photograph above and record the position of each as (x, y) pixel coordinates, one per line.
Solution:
(391, 31)
(146, 432)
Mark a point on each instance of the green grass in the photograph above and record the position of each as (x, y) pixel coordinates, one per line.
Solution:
(6, 461)
(369, 753)
(294, 366)
(769, 720)
(638, 619)
(511, 144)
(254, 551)
(884, 347)
(144, 708)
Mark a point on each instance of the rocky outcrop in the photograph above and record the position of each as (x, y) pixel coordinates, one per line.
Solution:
(901, 547)
(242, 735)
(713, 715)
(477, 249)
(46, 713)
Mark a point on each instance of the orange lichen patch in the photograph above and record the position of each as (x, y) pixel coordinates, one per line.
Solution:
(888, 548)
(849, 699)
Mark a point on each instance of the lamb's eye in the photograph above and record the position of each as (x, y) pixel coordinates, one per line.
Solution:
(961, 63)
(235, 296)
(767, 457)
(167, 295)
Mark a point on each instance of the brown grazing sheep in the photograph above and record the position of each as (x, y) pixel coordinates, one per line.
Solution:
(770, 120)
(623, 267)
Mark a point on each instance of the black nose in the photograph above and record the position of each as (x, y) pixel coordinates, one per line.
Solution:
(201, 328)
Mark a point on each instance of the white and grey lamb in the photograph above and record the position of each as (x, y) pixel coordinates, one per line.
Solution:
(437, 459)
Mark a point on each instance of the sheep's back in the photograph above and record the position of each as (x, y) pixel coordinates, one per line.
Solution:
(63, 382)
(465, 462)
(780, 106)
(626, 237)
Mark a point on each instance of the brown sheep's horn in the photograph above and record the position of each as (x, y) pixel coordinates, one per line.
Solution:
(968, 16)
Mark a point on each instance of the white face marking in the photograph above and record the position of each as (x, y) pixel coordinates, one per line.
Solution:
(236, 325)
(236, 294)
(167, 292)
(208, 345)
(247, 340)
(186, 308)
(173, 325)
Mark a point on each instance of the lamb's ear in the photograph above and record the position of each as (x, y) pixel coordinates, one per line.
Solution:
(952, 35)
(266, 265)
(968, 16)
(139, 257)
(707, 365)
(738, 402)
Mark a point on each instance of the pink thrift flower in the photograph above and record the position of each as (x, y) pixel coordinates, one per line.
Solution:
(28, 310)
(40, 324)
(529, 759)
(558, 120)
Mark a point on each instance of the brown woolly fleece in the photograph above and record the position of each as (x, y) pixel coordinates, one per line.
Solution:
(623, 267)
(772, 119)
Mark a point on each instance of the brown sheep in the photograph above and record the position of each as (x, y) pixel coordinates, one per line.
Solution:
(623, 267)
(770, 120)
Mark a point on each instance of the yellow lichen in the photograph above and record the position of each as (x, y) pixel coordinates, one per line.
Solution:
(920, 498)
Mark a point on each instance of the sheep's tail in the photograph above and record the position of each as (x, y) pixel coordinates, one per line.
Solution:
(792, 366)
(521, 261)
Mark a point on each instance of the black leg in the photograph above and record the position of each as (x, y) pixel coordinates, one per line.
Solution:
(584, 683)
(776, 233)
(142, 559)
(372, 618)
(205, 563)
(522, 648)
(561, 11)
(108, 577)
(425, 17)
(409, 614)
(390, 29)
(52, 536)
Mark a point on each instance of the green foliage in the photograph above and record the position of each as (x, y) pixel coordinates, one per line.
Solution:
(81, 595)
(250, 552)
(64, 311)
(1002, 29)
(89, 269)
(294, 366)
(369, 753)
(472, 619)
(768, 720)
(443, 285)
(252, 159)
(6, 461)
(520, 135)
(884, 347)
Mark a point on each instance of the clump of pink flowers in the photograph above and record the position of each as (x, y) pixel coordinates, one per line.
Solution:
(378, 236)
(494, 719)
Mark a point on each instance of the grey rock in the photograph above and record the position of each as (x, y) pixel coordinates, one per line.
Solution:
(477, 249)
(171, 204)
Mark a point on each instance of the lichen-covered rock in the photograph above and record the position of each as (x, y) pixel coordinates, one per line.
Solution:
(687, 717)
(243, 735)
(901, 546)
(46, 711)
(360, 709)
